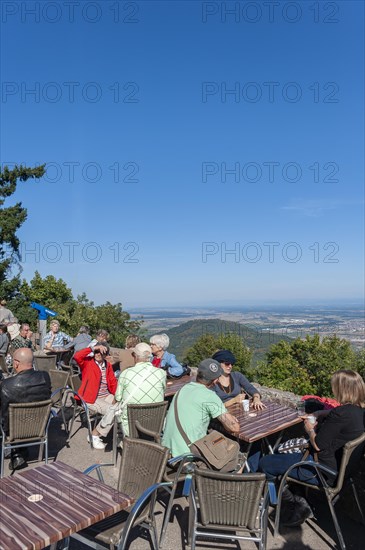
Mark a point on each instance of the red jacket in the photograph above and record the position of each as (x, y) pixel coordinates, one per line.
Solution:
(91, 376)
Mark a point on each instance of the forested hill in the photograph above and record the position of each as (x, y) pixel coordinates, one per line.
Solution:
(258, 340)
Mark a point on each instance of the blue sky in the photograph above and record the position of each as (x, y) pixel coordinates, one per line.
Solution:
(174, 133)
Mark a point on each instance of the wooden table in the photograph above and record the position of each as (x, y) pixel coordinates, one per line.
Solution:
(274, 419)
(68, 502)
(173, 386)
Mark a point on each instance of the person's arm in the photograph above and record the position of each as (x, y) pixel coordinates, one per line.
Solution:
(48, 340)
(252, 391)
(66, 337)
(81, 355)
(174, 367)
(310, 429)
(229, 422)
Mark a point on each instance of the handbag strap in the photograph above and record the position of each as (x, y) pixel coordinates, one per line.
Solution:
(178, 423)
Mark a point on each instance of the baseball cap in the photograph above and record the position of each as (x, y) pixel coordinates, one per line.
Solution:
(141, 349)
(210, 369)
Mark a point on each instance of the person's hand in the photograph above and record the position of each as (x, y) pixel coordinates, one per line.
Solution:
(257, 404)
(101, 349)
(240, 397)
(30, 333)
(308, 426)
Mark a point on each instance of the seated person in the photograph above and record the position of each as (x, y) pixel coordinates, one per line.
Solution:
(26, 386)
(142, 383)
(23, 339)
(81, 341)
(126, 358)
(101, 336)
(230, 384)
(98, 384)
(55, 338)
(162, 358)
(332, 430)
(197, 405)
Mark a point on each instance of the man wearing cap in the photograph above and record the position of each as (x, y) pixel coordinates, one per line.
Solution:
(197, 405)
(98, 383)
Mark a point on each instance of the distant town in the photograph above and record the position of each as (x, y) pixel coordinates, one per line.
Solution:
(345, 322)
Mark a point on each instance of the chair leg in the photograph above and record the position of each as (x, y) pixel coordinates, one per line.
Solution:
(337, 526)
(356, 497)
(167, 514)
(2, 460)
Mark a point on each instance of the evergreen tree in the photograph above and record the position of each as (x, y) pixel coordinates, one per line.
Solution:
(11, 218)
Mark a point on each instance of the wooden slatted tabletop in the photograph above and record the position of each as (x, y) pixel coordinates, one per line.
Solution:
(173, 386)
(43, 505)
(273, 419)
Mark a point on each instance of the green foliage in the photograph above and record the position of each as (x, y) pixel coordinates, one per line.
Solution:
(72, 313)
(306, 366)
(11, 218)
(208, 344)
(184, 336)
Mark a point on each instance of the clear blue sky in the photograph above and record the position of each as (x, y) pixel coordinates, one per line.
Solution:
(131, 115)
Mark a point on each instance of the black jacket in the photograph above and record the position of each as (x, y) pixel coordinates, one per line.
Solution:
(25, 387)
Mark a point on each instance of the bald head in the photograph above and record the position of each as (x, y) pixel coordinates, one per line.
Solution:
(23, 359)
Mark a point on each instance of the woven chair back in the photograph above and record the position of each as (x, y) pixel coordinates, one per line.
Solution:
(28, 420)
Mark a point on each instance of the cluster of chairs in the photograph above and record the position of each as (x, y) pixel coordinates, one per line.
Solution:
(221, 505)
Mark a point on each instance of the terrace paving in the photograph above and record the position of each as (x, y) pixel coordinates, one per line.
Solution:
(316, 534)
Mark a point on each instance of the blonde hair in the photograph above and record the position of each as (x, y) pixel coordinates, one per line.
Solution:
(348, 387)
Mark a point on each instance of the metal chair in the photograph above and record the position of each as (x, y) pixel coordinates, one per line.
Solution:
(145, 421)
(59, 381)
(179, 470)
(45, 362)
(28, 426)
(351, 454)
(81, 411)
(142, 466)
(222, 503)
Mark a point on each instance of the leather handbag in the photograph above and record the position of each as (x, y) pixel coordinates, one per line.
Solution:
(221, 452)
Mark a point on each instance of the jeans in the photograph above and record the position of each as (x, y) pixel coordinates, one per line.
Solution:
(278, 463)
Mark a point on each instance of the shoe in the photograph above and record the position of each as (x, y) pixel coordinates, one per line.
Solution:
(17, 463)
(297, 513)
(96, 442)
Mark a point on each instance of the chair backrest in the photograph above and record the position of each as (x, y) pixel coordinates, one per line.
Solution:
(46, 362)
(229, 499)
(150, 416)
(59, 380)
(28, 420)
(143, 464)
(75, 382)
(351, 455)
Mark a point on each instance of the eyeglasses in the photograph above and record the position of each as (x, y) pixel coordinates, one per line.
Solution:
(227, 364)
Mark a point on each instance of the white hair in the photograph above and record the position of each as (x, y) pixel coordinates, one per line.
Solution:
(161, 340)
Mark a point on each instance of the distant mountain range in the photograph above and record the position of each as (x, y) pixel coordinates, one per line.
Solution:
(257, 339)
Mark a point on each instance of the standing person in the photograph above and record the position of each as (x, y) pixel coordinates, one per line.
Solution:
(55, 338)
(197, 405)
(98, 383)
(23, 340)
(5, 314)
(4, 340)
(27, 386)
(230, 384)
(162, 358)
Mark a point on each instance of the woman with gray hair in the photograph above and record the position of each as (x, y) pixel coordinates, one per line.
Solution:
(162, 358)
